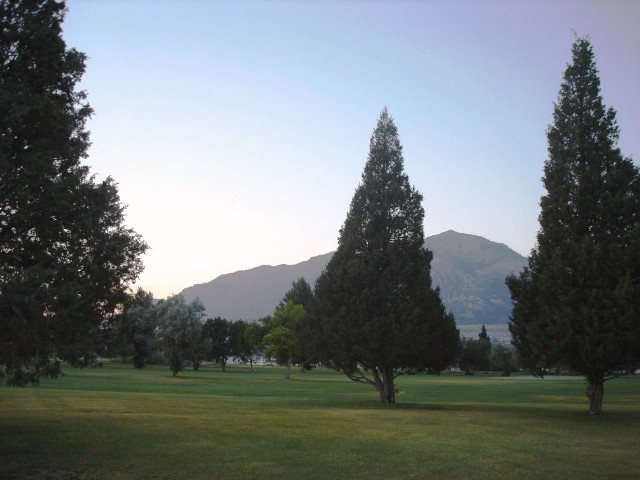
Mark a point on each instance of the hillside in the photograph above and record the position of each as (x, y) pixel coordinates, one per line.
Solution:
(469, 269)
(251, 294)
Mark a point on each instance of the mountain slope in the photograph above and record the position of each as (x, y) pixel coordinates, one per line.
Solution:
(469, 269)
(255, 293)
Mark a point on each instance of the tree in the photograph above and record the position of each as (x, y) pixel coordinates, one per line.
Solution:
(474, 353)
(483, 335)
(139, 317)
(281, 339)
(218, 332)
(180, 330)
(241, 347)
(300, 293)
(67, 257)
(375, 311)
(253, 341)
(485, 350)
(578, 300)
(502, 359)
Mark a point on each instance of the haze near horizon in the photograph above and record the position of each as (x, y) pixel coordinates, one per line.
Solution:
(238, 131)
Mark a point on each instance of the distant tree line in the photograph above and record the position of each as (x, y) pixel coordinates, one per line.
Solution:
(175, 333)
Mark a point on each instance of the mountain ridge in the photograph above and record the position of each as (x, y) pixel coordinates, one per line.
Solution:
(469, 269)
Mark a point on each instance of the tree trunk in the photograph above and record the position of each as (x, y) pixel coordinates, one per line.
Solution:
(384, 385)
(595, 393)
(223, 365)
(389, 387)
(251, 370)
(287, 374)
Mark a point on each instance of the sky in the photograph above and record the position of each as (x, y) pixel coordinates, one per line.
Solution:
(237, 131)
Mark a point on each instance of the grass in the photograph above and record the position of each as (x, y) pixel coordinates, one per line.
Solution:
(119, 423)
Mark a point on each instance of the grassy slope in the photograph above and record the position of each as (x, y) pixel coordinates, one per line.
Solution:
(117, 422)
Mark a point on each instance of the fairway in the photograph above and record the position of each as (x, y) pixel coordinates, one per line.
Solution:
(118, 422)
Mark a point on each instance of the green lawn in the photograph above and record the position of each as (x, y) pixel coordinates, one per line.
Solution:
(118, 422)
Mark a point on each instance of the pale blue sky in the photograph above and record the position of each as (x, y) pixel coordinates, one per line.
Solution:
(238, 131)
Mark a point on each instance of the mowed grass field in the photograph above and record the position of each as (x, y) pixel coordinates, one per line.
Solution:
(116, 422)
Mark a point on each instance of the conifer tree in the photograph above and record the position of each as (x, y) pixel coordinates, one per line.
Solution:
(375, 311)
(578, 300)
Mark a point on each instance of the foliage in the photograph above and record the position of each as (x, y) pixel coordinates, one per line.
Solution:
(281, 339)
(67, 257)
(474, 355)
(375, 311)
(578, 300)
(300, 293)
(253, 344)
(140, 313)
(502, 359)
(223, 340)
(132, 330)
(180, 331)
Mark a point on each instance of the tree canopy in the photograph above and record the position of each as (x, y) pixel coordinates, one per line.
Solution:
(66, 256)
(281, 339)
(376, 313)
(180, 331)
(578, 300)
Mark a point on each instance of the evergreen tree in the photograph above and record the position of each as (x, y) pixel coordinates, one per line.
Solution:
(578, 300)
(483, 335)
(66, 256)
(375, 311)
(300, 293)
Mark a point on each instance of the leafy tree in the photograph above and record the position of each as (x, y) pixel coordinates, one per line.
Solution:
(67, 257)
(578, 300)
(219, 333)
(180, 330)
(502, 359)
(139, 318)
(135, 321)
(281, 339)
(142, 327)
(237, 340)
(475, 353)
(375, 311)
(301, 293)
(253, 341)
(240, 346)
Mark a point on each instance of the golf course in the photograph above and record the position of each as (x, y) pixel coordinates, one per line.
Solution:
(117, 422)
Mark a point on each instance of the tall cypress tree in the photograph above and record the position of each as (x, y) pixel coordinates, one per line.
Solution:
(577, 302)
(66, 257)
(376, 312)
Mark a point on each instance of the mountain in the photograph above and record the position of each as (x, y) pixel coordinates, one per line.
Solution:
(469, 269)
(255, 293)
